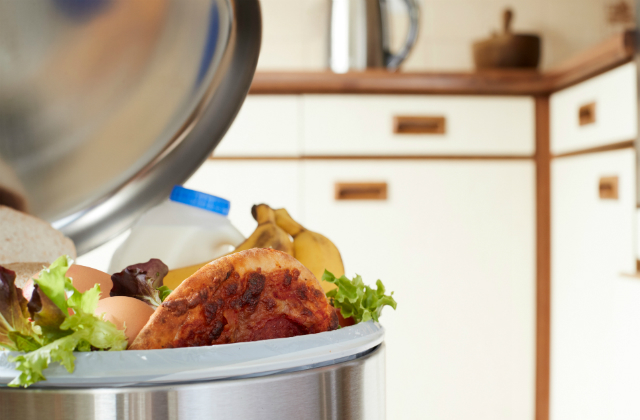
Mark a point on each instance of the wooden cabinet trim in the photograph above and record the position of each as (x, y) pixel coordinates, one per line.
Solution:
(543, 259)
(360, 157)
(629, 144)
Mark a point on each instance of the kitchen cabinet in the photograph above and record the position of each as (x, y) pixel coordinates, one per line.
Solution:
(593, 211)
(454, 238)
(598, 112)
(381, 125)
(455, 241)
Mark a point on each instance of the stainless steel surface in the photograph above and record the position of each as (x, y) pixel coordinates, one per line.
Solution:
(351, 390)
(360, 35)
(106, 104)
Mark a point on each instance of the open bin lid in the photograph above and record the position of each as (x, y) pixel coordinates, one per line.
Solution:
(106, 104)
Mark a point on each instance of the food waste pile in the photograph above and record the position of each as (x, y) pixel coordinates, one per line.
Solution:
(283, 281)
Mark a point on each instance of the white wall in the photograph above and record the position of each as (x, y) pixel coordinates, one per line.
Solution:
(296, 31)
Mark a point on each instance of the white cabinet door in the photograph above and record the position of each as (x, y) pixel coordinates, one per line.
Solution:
(456, 242)
(249, 182)
(626, 347)
(592, 244)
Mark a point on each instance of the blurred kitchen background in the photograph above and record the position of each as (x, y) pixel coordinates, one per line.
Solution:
(512, 266)
(296, 32)
(499, 205)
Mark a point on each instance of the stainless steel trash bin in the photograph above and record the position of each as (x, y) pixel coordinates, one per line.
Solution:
(350, 390)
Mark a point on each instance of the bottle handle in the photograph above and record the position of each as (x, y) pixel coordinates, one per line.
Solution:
(393, 61)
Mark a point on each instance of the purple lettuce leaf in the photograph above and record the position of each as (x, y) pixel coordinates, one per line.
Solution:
(141, 281)
(16, 331)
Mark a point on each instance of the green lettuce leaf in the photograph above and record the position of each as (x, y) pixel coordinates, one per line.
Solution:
(88, 332)
(164, 292)
(67, 325)
(55, 285)
(355, 299)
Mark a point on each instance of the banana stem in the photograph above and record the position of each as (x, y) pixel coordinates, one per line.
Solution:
(263, 214)
(286, 222)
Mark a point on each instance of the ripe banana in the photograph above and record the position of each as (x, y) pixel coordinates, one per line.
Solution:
(312, 249)
(267, 234)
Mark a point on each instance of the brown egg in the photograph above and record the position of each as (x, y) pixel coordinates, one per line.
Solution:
(84, 278)
(125, 311)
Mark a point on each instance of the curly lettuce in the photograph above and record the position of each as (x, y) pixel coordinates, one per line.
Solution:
(64, 322)
(356, 300)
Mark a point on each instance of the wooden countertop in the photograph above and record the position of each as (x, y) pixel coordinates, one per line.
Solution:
(614, 52)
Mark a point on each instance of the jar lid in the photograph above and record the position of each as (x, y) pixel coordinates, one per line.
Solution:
(200, 200)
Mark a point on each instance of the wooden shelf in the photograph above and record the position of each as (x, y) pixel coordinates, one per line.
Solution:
(512, 82)
(599, 59)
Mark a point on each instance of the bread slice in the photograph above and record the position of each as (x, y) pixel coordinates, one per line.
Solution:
(24, 238)
(257, 294)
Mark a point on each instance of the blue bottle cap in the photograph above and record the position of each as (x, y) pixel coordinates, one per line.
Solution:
(200, 200)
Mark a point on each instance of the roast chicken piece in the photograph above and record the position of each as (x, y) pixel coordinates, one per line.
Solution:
(252, 295)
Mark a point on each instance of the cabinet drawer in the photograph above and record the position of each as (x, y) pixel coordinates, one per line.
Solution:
(417, 125)
(455, 241)
(595, 113)
(266, 125)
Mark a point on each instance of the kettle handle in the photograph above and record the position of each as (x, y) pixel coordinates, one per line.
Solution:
(393, 61)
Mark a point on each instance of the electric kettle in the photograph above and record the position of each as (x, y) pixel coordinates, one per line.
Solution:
(359, 35)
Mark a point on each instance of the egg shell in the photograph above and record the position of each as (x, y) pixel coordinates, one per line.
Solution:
(125, 311)
(84, 278)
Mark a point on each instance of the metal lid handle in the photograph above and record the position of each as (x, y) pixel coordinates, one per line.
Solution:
(393, 61)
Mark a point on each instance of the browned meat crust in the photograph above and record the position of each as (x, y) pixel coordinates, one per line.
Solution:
(252, 295)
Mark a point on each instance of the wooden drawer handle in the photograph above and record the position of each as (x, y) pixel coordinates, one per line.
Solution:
(419, 125)
(361, 191)
(608, 188)
(587, 114)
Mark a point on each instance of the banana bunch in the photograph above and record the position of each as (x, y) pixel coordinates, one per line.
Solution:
(268, 234)
(312, 249)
